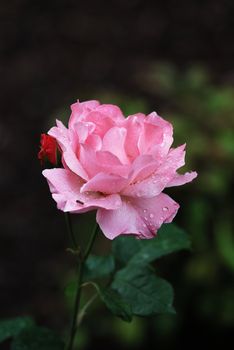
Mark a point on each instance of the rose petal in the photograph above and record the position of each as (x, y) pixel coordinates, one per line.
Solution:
(134, 126)
(100, 161)
(72, 162)
(105, 183)
(158, 180)
(179, 180)
(65, 188)
(112, 111)
(102, 122)
(66, 140)
(83, 130)
(150, 137)
(142, 167)
(167, 129)
(113, 142)
(61, 134)
(141, 217)
(80, 110)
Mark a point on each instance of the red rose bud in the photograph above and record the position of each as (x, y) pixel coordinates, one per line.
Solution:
(48, 151)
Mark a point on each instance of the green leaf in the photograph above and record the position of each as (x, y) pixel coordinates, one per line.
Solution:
(37, 338)
(115, 303)
(11, 327)
(169, 239)
(144, 291)
(98, 266)
(125, 247)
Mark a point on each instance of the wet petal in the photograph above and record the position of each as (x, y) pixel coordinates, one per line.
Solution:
(159, 179)
(167, 130)
(65, 188)
(105, 183)
(140, 217)
(150, 137)
(179, 180)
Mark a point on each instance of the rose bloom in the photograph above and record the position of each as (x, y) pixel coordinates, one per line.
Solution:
(118, 166)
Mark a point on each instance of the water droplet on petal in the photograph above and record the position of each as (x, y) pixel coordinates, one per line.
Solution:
(145, 210)
(151, 215)
(165, 208)
(155, 181)
(144, 225)
(146, 219)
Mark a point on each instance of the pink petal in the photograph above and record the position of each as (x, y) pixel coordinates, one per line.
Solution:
(102, 122)
(113, 142)
(66, 139)
(154, 184)
(80, 110)
(140, 217)
(179, 180)
(61, 134)
(142, 167)
(94, 141)
(112, 111)
(134, 126)
(150, 137)
(117, 222)
(100, 161)
(167, 129)
(105, 183)
(83, 130)
(72, 162)
(65, 188)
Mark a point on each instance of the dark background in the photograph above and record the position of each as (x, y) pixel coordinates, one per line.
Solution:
(172, 56)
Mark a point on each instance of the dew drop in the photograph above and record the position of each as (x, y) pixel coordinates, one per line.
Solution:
(165, 208)
(146, 219)
(144, 225)
(151, 215)
(145, 210)
(155, 181)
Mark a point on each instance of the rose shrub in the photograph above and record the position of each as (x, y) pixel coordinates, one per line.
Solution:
(118, 166)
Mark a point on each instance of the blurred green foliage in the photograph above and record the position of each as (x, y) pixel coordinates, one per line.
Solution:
(202, 114)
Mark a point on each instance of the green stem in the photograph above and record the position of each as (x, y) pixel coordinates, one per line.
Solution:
(76, 308)
(82, 260)
(70, 230)
(91, 241)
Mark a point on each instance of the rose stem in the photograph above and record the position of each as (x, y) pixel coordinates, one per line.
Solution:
(81, 262)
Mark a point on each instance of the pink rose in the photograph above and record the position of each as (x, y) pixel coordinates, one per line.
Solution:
(119, 167)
